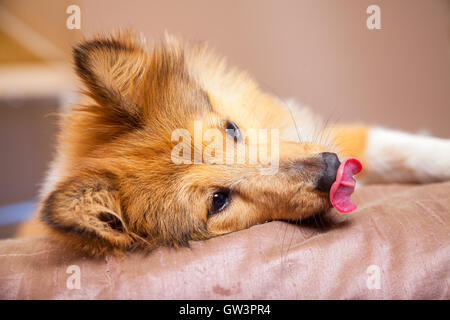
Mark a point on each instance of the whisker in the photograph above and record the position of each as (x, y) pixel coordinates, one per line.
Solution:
(295, 124)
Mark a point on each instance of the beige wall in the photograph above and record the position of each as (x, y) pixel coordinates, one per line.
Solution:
(317, 51)
(27, 136)
(47, 17)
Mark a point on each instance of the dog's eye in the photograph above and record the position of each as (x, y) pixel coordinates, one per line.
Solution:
(233, 130)
(220, 200)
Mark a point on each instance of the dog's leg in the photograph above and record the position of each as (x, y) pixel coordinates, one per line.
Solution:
(394, 156)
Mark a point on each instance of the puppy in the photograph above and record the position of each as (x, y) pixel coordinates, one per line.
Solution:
(135, 168)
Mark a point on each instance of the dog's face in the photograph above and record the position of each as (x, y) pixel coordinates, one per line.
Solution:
(130, 181)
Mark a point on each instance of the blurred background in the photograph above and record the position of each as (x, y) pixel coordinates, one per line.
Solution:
(319, 52)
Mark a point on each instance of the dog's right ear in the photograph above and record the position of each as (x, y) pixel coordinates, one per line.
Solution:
(113, 69)
(86, 210)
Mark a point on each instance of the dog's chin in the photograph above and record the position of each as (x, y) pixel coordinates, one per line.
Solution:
(322, 207)
(321, 220)
(320, 211)
(312, 215)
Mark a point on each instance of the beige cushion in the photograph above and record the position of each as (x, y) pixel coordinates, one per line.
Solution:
(401, 231)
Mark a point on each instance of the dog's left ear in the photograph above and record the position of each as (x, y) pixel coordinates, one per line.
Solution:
(113, 70)
(85, 210)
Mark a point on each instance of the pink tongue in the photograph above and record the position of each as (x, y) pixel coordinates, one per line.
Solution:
(344, 185)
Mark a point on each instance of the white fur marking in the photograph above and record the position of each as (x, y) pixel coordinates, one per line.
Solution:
(402, 157)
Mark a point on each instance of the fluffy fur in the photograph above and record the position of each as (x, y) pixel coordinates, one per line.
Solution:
(113, 186)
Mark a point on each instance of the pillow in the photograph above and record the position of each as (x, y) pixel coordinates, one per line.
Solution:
(396, 245)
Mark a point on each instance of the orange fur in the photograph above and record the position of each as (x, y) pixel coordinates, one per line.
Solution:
(351, 140)
(118, 189)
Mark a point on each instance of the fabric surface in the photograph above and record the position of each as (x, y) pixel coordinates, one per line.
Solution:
(396, 245)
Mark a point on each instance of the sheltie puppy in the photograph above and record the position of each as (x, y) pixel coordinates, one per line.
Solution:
(169, 146)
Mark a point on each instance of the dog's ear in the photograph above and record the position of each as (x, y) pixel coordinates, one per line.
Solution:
(113, 69)
(87, 210)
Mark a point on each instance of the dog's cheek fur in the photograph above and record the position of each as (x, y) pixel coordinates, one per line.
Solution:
(163, 213)
(138, 99)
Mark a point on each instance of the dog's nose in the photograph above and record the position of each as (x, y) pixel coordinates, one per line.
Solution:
(331, 162)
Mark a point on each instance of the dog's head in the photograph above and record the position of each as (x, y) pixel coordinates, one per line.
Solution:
(137, 165)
